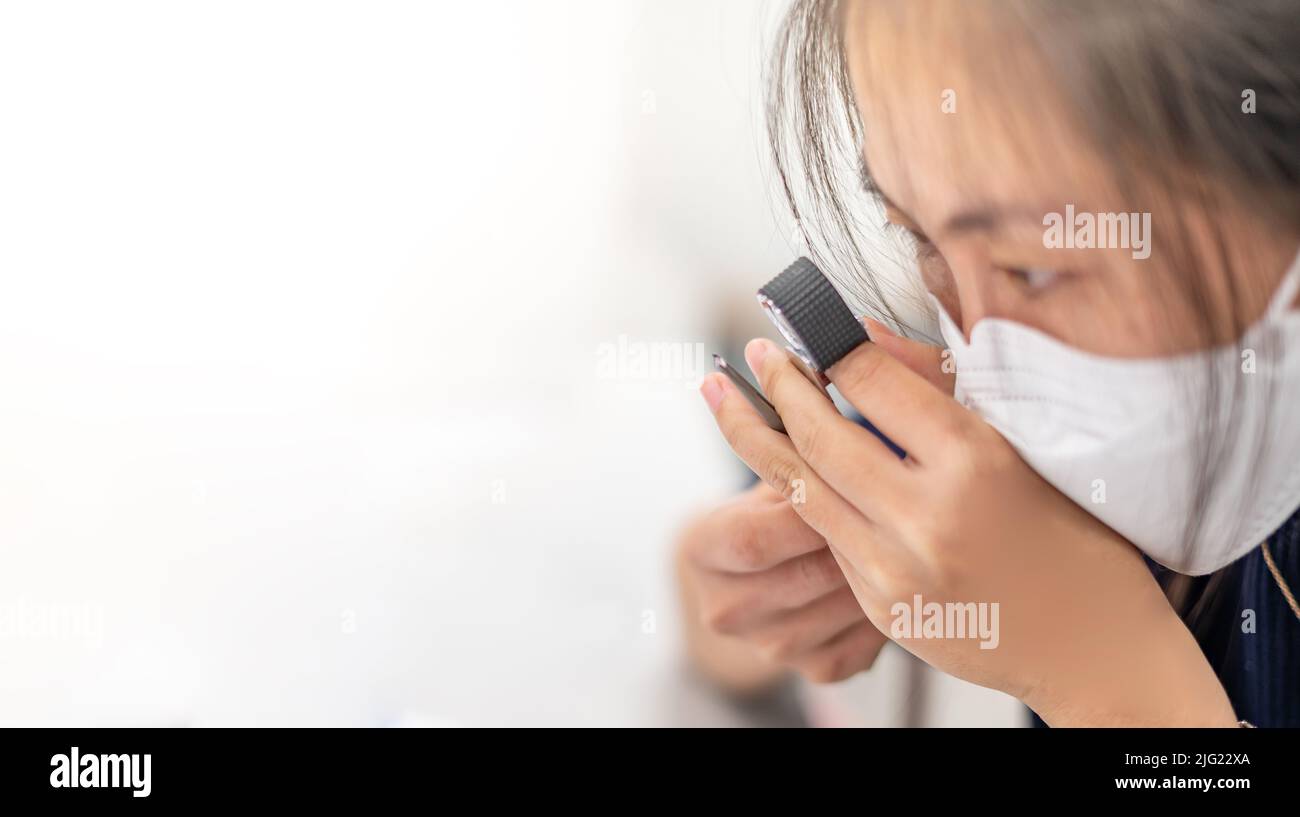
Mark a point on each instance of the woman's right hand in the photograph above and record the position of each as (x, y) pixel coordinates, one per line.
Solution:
(762, 591)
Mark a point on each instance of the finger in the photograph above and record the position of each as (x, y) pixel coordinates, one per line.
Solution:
(852, 537)
(901, 403)
(849, 653)
(789, 637)
(737, 604)
(852, 460)
(930, 362)
(748, 536)
(772, 456)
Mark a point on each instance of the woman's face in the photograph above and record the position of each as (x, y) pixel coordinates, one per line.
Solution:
(971, 148)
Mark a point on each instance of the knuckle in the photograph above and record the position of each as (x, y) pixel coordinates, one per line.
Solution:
(811, 440)
(946, 573)
(892, 580)
(959, 443)
(724, 615)
(782, 474)
(973, 449)
(747, 554)
(717, 617)
(819, 570)
(865, 368)
(746, 544)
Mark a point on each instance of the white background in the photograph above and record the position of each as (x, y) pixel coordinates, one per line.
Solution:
(301, 311)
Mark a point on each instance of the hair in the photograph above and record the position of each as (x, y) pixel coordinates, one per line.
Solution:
(1155, 88)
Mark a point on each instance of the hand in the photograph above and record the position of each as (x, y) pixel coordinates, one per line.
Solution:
(753, 572)
(1084, 634)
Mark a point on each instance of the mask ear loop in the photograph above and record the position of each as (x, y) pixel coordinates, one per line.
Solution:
(1287, 289)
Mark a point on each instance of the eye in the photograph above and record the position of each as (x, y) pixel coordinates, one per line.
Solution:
(1036, 278)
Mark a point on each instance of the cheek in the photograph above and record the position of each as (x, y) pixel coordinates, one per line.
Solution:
(1108, 311)
(1124, 313)
(1097, 312)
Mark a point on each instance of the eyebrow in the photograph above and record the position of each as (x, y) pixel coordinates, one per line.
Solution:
(868, 181)
(982, 217)
(872, 189)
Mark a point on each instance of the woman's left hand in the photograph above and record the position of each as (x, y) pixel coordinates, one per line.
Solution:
(1082, 633)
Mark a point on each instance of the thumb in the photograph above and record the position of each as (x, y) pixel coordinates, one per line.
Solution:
(922, 358)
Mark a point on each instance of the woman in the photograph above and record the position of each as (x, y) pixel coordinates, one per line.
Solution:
(1104, 200)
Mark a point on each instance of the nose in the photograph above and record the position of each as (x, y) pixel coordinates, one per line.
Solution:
(965, 296)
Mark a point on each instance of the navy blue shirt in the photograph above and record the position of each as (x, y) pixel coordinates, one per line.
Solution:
(1259, 669)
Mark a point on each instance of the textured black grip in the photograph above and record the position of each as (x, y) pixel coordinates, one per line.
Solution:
(811, 307)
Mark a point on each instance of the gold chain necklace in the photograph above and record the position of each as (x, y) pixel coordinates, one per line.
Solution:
(1277, 576)
(1286, 592)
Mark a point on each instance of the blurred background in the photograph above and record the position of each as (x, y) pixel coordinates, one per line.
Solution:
(349, 354)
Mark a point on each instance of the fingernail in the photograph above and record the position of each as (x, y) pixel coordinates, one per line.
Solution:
(875, 327)
(712, 389)
(755, 352)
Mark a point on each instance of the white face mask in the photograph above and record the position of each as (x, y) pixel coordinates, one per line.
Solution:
(1126, 439)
